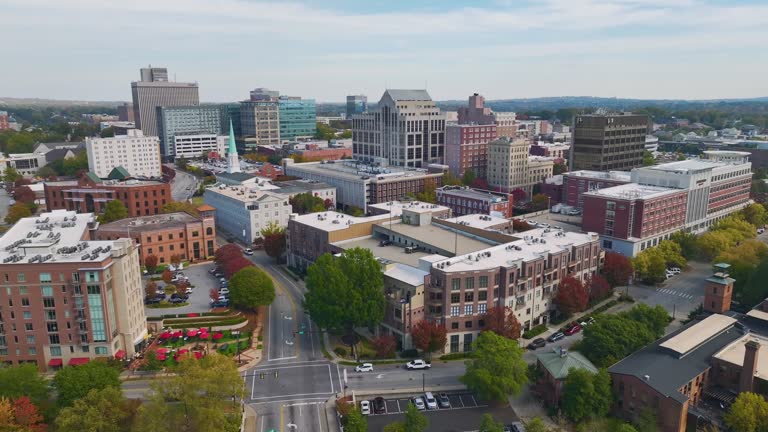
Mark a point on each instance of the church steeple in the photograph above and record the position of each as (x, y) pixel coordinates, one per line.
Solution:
(233, 161)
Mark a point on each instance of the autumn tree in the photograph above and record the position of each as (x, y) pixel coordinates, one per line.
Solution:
(167, 276)
(502, 321)
(150, 262)
(599, 288)
(617, 269)
(24, 194)
(226, 253)
(385, 346)
(539, 202)
(181, 287)
(274, 240)
(519, 195)
(235, 264)
(571, 296)
(20, 415)
(429, 336)
(213, 293)
(176, 259)
(16, 212)
(150, 290)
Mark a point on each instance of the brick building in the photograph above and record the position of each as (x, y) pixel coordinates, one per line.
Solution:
(576, 183)
(463, 200)
(90, 194)
(66, 298)
(554, 367)
(466, 147)
(165, 235)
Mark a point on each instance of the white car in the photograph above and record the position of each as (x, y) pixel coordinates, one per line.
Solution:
(248, 251)
(223, 291)
(431, 401)
(675, 270)
(365, 367)
(189, 290)
(419, 403)
(365, 407)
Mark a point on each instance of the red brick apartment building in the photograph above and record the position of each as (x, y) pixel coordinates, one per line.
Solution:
(466, 147)
(464, 200)
(576, 183)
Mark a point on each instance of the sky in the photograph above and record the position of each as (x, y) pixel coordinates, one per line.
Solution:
(325, 50)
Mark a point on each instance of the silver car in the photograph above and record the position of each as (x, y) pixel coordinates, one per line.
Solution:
(419, 403)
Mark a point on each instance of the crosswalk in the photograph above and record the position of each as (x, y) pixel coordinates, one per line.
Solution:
(675, 293)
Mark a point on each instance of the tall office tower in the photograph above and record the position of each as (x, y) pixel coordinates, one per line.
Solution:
(177, 121)
(125, 112)
(406, 129)
(298, 117)
(476, 112)
(604, 142)
(260, 119)
(356, 104)
(154, 90)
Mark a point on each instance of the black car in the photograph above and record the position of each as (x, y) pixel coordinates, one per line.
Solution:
(152, 300)
(378, 406)
(180, 296)
(385, 242)
(536, 343)
(176, 300)
(555, 337)
(220, 303)
(160, 295)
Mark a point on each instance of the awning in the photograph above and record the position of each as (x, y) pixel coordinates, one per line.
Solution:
(119, 354)
(78, 361)
(55, 362)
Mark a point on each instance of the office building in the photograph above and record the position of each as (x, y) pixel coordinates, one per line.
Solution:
(297, 118)
(605, 142)
(68, 299)
(260, 121)
(407, 129)
(511, 167)
(477, 113)
(554, 150)
(466, 147)
(242, 212)
(361, 185)
(188, 120)
(356, 104)
(26, 164)
(262, 93)
(154, 90)
(463, 200)
(135, 152)
(165, 235)
(4, 123)
(199, 145)
(125, 112)
(576, 183)
(662, 199)
(90, 194)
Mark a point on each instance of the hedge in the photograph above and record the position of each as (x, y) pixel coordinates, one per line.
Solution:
(226, 322)
(166, 305)
(456, 356)
(532, 333)
(199, 314)
(200, 318)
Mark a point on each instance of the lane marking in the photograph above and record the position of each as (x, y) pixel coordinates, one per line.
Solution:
(294, 363)
(292, 395)
(330, 378)
(319, 399)
(319, 423)
(282, 358)
(338, 374)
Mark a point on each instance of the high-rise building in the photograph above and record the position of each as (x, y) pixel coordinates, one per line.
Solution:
(68, 299)
(510, 166)
(138, 154)
(125, 112)
(177, 121)
(260, 118)
(297, 117)
(605, 142)
(466, 147)
(4, 124)
(476, 112)
(154, 90)
(262, 93)
(356, 104)
(407, 129)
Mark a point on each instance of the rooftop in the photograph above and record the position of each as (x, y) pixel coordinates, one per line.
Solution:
(415, 206)
(151, 223)
(236, 177)
(633, 191)
(243, 193)
(734, 353)
(437, 237)
(110, 183)
(603, 175)
(409, 95)
(687, 166)
(479, 221)
(408, 274)
(392, 253)
(559, 364)
(298, 186)
(695, 335)
(467, 192)
(351, 170)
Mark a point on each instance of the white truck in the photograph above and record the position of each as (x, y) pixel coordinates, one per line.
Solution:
(418, 364)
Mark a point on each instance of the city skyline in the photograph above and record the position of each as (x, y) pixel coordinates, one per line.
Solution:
(647, 49)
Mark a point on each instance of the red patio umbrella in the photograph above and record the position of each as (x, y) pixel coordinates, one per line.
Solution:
(178, 334)
(198, 355)
(192, 333)
(161, 357)
(203, 335)
(161, 350)
(218, 336)
(165, 335)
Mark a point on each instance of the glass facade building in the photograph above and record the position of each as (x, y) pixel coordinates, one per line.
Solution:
(189, 120)
(356, 104)
(297, 118)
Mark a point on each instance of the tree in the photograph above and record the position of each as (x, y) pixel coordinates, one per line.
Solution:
(103, 410)
(536, 425)
(24, 194)
(274, 240)
(647, 421)
(655, 318)
(687, 242)
(650, 265)
(559, 168)
(749, 413)
(73, 383)
(345, 292)
(415, 421)
(395, 427)
(755, 289)
(712, 243)
(385, 346)
(355, 422)
(20, 415)
(150, 290)
(487, 424)
(176, 259)
(599, 288)
(617, 269)
(46, 172)
(648, 159)
(539, 202)
(755, 214)
(571, 296)
(181, 287)
(586, 395)
(114, 210)
(107, 132)
(16, 212)
(181, 163)
(519, 195)
(354, 211)
(496, 369)
(304, 203)
(167, 276)
(11, 175)
(469, 177)
(236, 264)
(181, 206)
(250, 288)
(24, 380)
(672, 252)
(429, 194)
(429, 336)
(226, 253)
(150, 262)
(451, 180)
(501, 321)
(612, 337)
(737, 228)
(213, 294)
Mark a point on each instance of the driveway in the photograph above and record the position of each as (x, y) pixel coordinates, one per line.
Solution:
(678, 295)
(199, 300)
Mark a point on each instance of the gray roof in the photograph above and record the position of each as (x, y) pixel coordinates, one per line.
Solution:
(560, 366)
(238, 176)
(409, 95)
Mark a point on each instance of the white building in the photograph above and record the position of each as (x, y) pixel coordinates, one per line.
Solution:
(138, 154)
(511, 167)
(196, 145)
(243, 212)
(25, 164)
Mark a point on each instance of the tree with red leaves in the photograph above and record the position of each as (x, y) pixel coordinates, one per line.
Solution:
(274, 240)
(150, 262)
(24, 194)
(167, 276)
(227, 252)
(385, 346)
(599, 288)
(181, 287)
(328, 203)
(213, 294)
(429, 337)
(501, 321)
(151, 289)
(617, 269)
(27, 416)
(480, 183)
(571, 296)
(519, 195)
(234, 265)
(518, 225)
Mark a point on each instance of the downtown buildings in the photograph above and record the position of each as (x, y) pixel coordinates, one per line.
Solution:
(297, 118)
(356, 104)
(154, 90)
(269, 119)
(189, 131)
(68, 299)
(605, 142)
(136, 153)
(4, 123)
(463, 200)
(511, 167)
(466, 148)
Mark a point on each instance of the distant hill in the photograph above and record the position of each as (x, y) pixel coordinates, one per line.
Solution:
(34, 102)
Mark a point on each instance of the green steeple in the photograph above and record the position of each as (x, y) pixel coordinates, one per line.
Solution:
(232, 149)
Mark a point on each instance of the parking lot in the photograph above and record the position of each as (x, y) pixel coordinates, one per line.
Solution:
(199, 300)
(465, 413)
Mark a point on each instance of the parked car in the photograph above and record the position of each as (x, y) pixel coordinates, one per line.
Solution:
(181, 296)
(365, 367)
(675, 270)
(379, 407)
(587, 321)
(214, 270)
(220, 303)
(418, 364)
(760, 230)
(160, 295)
(152, 300)
(223, 291)
(248, 251)
(554, 337)
(224, 284)
(219, 274)
(176, 300)
(385, 242)
(574, 212)
(189, 290)
(365, 407)
(443, 401)
(572, 329)
(430, 400)
(419, 403)
(515, 427)
(537, 343)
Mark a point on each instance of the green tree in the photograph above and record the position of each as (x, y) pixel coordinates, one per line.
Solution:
(672, 252)
(11, 175)
(73, 383)
(755, 214)
(648, 159)
(712, 243)
(539, 202)
(613, 337)
(488, 424)
(114, 210)
(250, 288)
(647, 421)
(104, 410)
(451, 180)
(24, 380)
(496, 369)
(46, 172)
(536, 425)
(749, 413)
(355, 422)
(650, 265)
(274, 240)
(107, 132)
(559, 168)
(655, 318)
(578, 392)
(687, 242)
(469, 177)
(16, 212)
(415, 421)
(345, 292)
(755, 289)
(304, 203)
(353, 210)
(395, 427)
(180, 206)
(429, 194)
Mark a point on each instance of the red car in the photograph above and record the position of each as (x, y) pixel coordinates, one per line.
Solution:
(572, 329)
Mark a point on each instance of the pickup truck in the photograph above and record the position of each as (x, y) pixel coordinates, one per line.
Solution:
(418, 364)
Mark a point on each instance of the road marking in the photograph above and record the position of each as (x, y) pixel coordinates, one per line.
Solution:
(253, 385)
(330, 378)
(281, 419)
(319, 399)
(289, 342)
(319, 423)
(338, 374)
(291, 366)
(282, 358)
(269, 334)
(473, 400)
(311, 337)
(295, 363)
(292, 395)
(262, 424)
(398, 407)
(379, 376)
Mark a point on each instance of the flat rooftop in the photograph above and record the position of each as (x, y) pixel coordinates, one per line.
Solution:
(476, 194)
(243, 193)
(335, 221)
(437, 237)
(602, 175)
(685, 167)
(695, 335)
(151, 223)
(479, 221)
(415, 206)
(347, 169)
(110, 183)
(391, 253)
(734, 353)
(408, 274)
(290, 187)
(633, 191)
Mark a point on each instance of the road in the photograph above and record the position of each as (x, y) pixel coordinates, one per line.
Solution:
(678, 295)
(180, 183)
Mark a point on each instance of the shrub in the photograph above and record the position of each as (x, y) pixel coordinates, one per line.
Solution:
(409, 353)
(456, 356)
(340, 351)
(532, 333)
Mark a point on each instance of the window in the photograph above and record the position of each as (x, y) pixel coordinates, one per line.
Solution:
(482, 308)
(27, 315)
(454, 311)
(47, 291)
(101, 350)
(470, 283)
(455, 297)
(483, 282)
(30, 339)
(28, 327)
(454, 325)
(455, 284)
(45, 277)
(482, 295)
(25, 301)
(54, 339)
(469, 296)
(467, 324)
(53, 327)
(468, 309)
(49, 302)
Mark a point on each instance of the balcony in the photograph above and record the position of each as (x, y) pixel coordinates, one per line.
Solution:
(519, 306)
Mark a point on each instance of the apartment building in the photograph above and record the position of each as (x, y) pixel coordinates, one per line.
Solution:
(463, 200)
(466, 147)
(242, 212)
(138, 154)
(407, 130)
(67, 299)
(605, 142)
